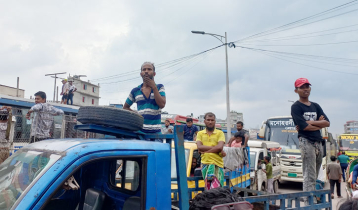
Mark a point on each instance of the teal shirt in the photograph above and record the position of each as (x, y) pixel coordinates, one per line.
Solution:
(343, 159)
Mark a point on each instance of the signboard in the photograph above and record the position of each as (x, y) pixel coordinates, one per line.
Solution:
(287, 125)
(355, 137)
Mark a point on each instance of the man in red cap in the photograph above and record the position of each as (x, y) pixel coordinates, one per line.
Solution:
(309, 119)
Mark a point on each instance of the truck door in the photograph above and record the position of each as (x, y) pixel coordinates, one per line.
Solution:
(113, 182)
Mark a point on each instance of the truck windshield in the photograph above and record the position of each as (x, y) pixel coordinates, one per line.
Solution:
(173, 166)
(352, 144)
(283, 131)
(21, 170)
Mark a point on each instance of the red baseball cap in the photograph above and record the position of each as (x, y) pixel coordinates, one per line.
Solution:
(301, 81)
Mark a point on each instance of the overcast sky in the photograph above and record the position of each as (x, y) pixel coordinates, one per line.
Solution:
(105, 38)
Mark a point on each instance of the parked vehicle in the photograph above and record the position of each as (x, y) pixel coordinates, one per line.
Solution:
(258, 150)
(348, 143)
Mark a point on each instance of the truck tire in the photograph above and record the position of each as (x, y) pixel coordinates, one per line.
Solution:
(275, 186)
(110, 116)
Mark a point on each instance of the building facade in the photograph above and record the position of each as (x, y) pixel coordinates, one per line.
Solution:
(11, 91)
(87, 94)
(351, 127)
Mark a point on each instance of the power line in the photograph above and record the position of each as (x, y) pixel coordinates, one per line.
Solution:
(301, 45)
(345, 60)
(281, 28)
(325, 69)
(183, 59)
(299, 36)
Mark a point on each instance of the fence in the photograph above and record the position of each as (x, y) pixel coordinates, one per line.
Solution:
(62, 127)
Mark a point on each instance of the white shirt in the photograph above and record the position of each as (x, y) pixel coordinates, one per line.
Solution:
(65, 87)
(72, 87)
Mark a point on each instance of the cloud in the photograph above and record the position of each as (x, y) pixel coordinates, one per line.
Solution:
(107, 38)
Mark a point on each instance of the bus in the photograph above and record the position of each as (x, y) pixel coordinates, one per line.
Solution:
(282, 130)
(348, 143)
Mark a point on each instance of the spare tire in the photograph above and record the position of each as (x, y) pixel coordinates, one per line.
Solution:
(110, 116)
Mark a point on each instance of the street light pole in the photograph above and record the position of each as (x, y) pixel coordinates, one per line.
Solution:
(228, 123)
(228, 118)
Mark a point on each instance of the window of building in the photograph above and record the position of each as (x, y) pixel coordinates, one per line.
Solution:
(92, 101)
(83, 99)
(84, 86)
(93, 89)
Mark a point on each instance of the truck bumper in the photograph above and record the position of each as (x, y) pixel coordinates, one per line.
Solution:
(291, 179)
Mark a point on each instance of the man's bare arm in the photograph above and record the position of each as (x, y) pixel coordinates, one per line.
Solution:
(311, 128)
(246, 140)
(319, 123)
(127, 107)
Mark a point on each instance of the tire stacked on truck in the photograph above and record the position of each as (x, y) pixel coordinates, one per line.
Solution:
(110, 116)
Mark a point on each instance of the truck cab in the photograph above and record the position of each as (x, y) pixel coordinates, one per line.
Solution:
(258, 150)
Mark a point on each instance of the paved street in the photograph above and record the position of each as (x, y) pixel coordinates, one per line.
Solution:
(290, 187)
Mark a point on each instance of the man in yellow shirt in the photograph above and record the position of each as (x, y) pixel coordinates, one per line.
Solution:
(210, 142)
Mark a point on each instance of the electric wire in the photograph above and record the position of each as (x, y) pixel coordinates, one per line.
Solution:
(284, 27)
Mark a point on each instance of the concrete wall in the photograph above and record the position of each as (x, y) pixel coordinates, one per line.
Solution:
(10, 91)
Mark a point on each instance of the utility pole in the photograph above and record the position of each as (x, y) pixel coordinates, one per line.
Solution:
(220, 38)
(54, 89)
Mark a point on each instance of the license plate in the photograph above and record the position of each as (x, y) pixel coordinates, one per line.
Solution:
(292, 175)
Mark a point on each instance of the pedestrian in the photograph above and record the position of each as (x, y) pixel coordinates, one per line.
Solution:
(334, 174)
(260, 174)
(236, 141)
(5, 125)
(210, 142)
(269, 176)
(167, 129)
(43, 118)
(343, 160)
(309, 119)
(150, 99)
(72, 88)
(64, 92)
(190, 130)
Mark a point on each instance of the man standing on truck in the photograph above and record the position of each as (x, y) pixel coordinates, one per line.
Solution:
(150, 99)
(167, 129)
(343, 160)
(43, 119)
(310, 119)
(190, 130)
(210, 142)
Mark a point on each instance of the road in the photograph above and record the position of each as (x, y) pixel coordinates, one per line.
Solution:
(291, 187)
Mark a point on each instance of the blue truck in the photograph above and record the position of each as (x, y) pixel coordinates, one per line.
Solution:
(126, 173)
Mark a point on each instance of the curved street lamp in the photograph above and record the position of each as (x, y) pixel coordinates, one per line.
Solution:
(220, 38)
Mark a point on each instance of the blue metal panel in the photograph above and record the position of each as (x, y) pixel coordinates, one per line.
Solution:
(181, 166)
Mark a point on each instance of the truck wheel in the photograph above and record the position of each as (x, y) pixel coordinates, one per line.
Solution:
(275, 186)
(110, 116)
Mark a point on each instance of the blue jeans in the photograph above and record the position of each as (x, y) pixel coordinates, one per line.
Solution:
(70, 97)
(344, 168)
